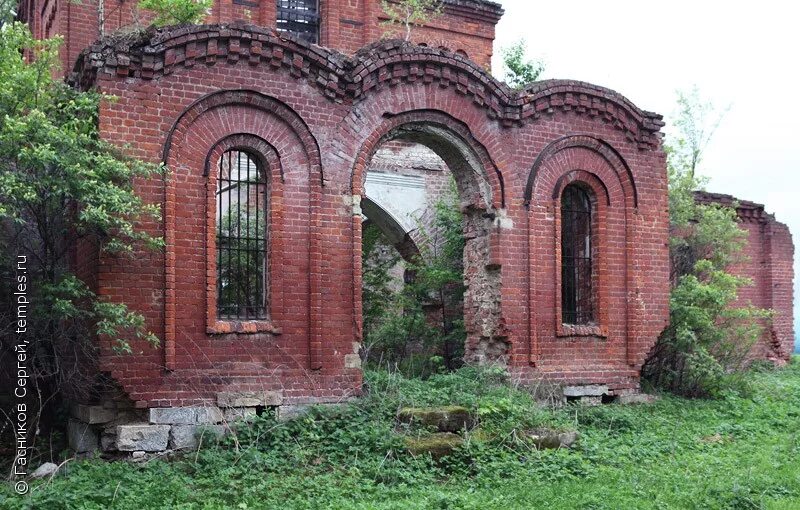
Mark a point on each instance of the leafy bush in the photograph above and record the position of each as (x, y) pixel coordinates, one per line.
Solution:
(62, 187)
(709, 335)
(519, 72)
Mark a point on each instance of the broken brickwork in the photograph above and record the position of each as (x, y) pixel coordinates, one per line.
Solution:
(768, 258)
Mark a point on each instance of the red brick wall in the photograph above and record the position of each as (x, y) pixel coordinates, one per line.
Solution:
(322, 117)
(768, 255)
(465, 26)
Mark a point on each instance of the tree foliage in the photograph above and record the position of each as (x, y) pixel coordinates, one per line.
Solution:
(410, 13)
(695, 122)
(517, 70)
(8, 10)
(61, 185)
(710, 333)
(177, 12)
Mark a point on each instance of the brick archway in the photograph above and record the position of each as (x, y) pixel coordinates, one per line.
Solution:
(185, 89)
(480, 189)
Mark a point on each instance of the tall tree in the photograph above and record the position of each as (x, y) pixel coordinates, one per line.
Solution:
(60, 185)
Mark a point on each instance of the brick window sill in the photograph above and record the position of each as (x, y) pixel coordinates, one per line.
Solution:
(582, 330)
(242, 327)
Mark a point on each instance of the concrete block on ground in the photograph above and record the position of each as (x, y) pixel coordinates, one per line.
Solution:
(587, 390)
(93, 414)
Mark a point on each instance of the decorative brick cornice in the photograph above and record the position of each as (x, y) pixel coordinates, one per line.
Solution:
(481, 9)
(154, 53)
(746, 210)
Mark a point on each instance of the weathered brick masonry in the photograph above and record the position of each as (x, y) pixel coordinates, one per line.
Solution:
(768, 254)
(315, 117)
(465, 27)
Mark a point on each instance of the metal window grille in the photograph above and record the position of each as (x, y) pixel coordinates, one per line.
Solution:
(241, 238)
(577, 305)
(299, 17)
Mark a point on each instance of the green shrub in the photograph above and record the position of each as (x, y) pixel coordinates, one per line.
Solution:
(709, 334)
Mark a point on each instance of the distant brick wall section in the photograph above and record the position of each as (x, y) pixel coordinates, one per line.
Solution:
(769, 256)
(319, 117)
(465, 27)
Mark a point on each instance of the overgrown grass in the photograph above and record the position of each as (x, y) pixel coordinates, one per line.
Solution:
(738, 452)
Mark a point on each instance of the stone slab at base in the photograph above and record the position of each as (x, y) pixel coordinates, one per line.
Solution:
(588, 390)
(82, 437)
(142, 437)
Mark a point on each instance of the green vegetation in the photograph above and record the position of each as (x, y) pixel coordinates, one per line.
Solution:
(736, 452)
(704, 348)
(421, 327)
(410, 13)
(519, 71)
(61, 187)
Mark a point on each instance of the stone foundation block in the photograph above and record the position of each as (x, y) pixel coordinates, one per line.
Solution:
(183, 437)
(210, 415)
(82, 437)
(249, 398)
(142, 437)
(239, 413)
(588, 390)
(173, 415)
(352, 361)
(93, 414)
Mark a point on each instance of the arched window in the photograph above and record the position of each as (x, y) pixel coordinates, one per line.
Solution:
(577, 298)
(241, 237)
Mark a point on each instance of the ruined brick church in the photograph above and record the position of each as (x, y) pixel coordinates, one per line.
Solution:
(269, 118)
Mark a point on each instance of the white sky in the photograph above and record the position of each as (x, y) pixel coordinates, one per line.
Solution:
(746, 55)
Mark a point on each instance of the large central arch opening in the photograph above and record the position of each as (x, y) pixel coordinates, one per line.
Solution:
(430, 293)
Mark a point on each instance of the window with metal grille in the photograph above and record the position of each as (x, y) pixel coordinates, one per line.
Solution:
(299, 17)
(577, 303)
(241, 237)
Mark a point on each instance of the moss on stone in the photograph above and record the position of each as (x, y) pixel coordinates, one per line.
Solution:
(444, 419)
(438, 445)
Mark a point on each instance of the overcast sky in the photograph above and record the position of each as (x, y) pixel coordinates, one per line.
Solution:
(746, 55)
